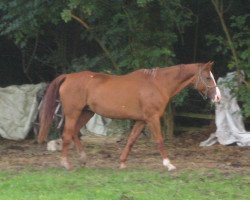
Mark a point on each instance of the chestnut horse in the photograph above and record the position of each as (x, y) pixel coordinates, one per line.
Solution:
(141, 95)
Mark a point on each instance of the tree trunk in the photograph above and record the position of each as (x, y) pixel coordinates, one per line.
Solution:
(168, 124)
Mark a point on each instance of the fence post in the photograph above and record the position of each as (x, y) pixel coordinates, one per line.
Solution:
(168, 123)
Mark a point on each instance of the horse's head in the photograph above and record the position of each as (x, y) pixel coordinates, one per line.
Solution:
(205, 83)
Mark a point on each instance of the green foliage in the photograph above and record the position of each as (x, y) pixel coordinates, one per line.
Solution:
(129, 32)
(122, 36)
(143, 3)
(241, 37)
(66, 15)
(244, 96)
(180, 98)
(22, 20)
(240, 30)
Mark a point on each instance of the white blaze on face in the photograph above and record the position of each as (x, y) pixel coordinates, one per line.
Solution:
(217, 96)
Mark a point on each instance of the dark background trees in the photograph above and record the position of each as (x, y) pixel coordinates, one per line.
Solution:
(43, 38)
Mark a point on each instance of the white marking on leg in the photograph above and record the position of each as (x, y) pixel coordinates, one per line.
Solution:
(167, 163)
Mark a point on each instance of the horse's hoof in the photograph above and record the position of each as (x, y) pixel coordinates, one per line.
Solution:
(66, 164)
(83, 163)
(123, 166)
(83, 158)
(171, 167)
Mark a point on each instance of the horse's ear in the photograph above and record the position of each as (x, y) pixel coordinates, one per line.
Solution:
(209, 65)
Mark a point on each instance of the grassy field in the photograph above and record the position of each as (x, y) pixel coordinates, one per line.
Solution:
(111, 184)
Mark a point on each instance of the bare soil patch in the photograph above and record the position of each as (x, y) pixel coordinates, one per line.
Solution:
(104, 152)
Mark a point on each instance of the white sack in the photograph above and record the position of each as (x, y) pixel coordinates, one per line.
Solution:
(98, 125)
(18, 110)
(228, 117)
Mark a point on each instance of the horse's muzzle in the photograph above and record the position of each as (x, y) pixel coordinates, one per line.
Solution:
(217, 96)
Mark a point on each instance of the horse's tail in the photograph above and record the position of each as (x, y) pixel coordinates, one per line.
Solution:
(47, 110)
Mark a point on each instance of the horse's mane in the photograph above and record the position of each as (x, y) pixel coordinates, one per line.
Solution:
(154, 71)
(183, 66)
(151, 72)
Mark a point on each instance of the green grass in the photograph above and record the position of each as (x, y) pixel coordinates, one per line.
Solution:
(53, 184)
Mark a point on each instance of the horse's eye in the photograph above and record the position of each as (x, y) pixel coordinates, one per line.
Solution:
(208, 78)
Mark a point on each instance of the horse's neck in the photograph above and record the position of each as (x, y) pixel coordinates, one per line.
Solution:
(177, 78)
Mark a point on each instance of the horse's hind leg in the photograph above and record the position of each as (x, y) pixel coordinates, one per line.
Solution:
(68, 133)
(82, 120)
(155, 129)
(136, 131)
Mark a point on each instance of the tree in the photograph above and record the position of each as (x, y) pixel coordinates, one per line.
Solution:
(235, 44)
(127, 31)
(123, 35)
(24, 22)
(118, 36)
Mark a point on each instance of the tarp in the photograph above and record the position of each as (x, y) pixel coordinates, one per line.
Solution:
(18, 110)
(228, 117)
(98, 125)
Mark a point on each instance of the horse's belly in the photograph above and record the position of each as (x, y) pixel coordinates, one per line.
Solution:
(113, 114)
(115, 98)
(116, 108)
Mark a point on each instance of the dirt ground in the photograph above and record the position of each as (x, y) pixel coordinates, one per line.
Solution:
(103, 152)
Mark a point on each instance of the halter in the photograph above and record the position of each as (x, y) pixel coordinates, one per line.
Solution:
(203, 81)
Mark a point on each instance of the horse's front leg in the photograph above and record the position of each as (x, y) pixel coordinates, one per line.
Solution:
(136, 131)
(155, 129)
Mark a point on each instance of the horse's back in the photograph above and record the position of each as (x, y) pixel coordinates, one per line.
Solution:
(112, 96)
(119, 96)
